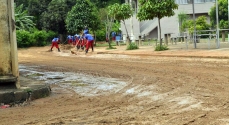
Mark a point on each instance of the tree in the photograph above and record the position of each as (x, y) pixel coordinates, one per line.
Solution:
(54, 18)
(105, 3)
(182, 17)
(22, 20)
(201, 24)
(36, 8)
(95, 22)
(84, 13)
(24, 2)
(150, 9)
(121, 12)
(223, 16)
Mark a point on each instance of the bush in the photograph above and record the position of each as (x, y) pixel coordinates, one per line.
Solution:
(132, 46)
(33, 38)
(101, 35)
(40, 37)
(161, 48)
(24, 39)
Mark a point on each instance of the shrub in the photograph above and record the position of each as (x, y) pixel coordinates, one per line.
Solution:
(101, 35)
(161, 48)
(24, 39)
(51, 35)
(34, 37)
(132, 46)
(40, 37)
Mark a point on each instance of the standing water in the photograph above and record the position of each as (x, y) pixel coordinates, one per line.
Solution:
(82, 84)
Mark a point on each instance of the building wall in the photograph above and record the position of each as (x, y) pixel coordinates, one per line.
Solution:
(5, 59)
(169, 24)
(136, 27)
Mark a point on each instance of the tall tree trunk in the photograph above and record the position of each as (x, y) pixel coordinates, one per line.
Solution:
(108, 28)
(223, 36)
(159, 24)
(109, 22)
(127, 35)
(94, 37)
(61, 38)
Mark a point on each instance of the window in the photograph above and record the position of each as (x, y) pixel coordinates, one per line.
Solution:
(181, 1)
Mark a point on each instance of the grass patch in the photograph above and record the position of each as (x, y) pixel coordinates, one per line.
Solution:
(132, 46)
(161, 48)
(28, 90)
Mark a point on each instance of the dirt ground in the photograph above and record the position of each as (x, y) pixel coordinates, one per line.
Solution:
(174, 87)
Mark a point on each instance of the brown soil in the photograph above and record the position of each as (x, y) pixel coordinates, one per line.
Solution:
(174, 87)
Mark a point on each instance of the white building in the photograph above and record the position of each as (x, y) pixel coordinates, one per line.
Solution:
(149, 28)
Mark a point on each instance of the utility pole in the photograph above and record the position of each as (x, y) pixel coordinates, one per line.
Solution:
(217, 23)
(194, 19)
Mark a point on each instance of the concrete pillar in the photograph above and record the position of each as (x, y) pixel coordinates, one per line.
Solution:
(8, 46)
(166, 39)
(169, 38)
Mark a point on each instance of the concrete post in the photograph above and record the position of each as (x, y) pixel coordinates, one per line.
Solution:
(166, 39)
(8, 46)
(169, 38)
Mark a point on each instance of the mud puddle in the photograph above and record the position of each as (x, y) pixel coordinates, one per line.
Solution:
(82, 84)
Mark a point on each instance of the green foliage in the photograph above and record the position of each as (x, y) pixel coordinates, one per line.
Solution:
(151, 9)
(34, 38)
(132, 46)
(156, 8)
(182, 17)
(223, 13)
(36, 8)
(95, 22)
(120, 12)
(104, 3)
(24, 2)
(41, 37)
(161, 48)
(54, 17)
(22, 20)
(24, 39)
(82, 14)
(101, 35)
(201, 24)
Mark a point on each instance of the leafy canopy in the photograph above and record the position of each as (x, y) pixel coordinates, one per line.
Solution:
(22, 20)
(223, 14)
(201, 24)
(120, 12)
(150, 9)
(82, 14)
(54, 17)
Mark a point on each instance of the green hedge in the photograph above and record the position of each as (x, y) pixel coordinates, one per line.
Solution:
(34, 38)
(101, 35)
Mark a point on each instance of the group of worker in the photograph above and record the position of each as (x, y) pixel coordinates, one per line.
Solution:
(85, 40)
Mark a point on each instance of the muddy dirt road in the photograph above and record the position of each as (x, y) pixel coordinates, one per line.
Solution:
(141, 88)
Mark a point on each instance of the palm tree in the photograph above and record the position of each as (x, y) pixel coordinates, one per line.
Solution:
(22, 20)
